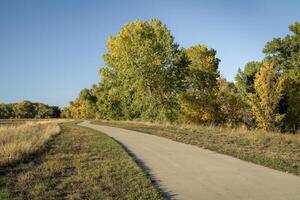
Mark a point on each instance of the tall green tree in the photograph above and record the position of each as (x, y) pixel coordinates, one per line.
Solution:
(142, 56)
(286, 52)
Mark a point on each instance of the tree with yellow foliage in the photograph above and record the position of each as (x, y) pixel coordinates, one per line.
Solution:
(264, 103)
(199, 99)
(142, 58)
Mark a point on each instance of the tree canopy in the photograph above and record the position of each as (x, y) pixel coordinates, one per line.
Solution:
(148, 76)
(27, 109)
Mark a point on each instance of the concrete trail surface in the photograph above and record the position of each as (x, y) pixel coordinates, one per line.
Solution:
(188, 172)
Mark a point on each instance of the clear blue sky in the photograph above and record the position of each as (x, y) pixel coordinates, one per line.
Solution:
(50, 50)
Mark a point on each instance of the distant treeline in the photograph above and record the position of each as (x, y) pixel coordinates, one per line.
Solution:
(149, 77)
(28, 110)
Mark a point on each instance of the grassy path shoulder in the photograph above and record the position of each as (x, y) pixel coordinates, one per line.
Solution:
(274, 150)
(79, 163)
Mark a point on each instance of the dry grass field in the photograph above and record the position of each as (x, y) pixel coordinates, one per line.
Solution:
(17, 140)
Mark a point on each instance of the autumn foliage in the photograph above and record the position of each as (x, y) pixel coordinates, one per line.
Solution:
(149, 77)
